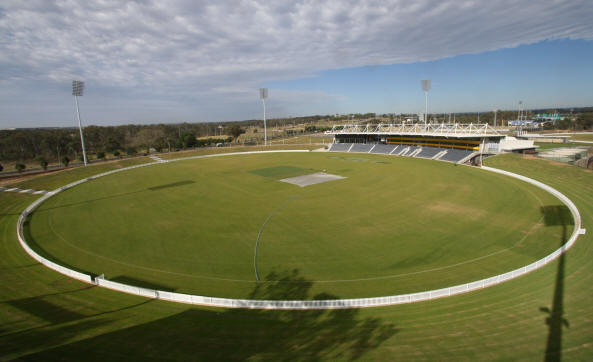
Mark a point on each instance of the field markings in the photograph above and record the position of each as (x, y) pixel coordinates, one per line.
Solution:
(348, 303)
(283, 204)
(21, 191)
(261, 230)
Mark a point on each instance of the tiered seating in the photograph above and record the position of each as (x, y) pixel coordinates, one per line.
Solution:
(411, 150)
(383, 149)
(429, 152)
(454, 155)
(403, 149)
(361, 147)
(340, 147)
(451, 155)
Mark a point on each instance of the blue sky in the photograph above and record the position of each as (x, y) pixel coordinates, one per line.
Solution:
(556, 73)
(180, 60)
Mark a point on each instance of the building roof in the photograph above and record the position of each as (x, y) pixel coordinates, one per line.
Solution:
(448, 130)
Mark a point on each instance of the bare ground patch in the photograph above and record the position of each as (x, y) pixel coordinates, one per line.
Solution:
(450, 208)
(312, 179)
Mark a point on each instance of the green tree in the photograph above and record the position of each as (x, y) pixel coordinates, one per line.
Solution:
(100, 155)
(65, 161)
(20, 167)
(116, 153)
(584, 120)
(235, 131)
(131, 151)
(42, 162)
(188, 139)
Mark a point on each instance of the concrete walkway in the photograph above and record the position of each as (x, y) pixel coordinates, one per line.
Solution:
(21, 191)
(157, 158)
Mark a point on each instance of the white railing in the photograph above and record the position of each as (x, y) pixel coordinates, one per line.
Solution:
(300, 304)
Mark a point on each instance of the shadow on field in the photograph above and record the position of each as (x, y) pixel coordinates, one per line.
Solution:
(240, 334)
(557, 216)
(174, 184)
(54, 321)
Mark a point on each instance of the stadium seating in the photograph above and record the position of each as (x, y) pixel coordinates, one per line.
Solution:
(453, 155)
(340, 147)
(429, 152)
(402, 151)
(383, 149)
(413, 151)
(361, 147)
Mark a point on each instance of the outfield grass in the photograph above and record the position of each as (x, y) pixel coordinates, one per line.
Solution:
(57, 179)
(216, 150)
(546, 314)
(582, 137)
(393, 226)
(304, 139)
(543, 146)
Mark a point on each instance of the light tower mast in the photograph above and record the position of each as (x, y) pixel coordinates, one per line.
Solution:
(263, 94)
(426, 88)
(77, 91)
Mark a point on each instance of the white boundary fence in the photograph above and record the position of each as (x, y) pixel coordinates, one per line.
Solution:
(299, 304)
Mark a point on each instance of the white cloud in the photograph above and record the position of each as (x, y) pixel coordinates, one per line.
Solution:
(176, 48)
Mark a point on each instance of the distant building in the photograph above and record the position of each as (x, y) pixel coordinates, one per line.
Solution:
(553, 117)
(524, 123)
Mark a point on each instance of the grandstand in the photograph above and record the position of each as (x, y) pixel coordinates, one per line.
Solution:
(447, 142)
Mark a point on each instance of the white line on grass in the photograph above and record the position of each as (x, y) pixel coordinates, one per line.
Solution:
(261, 229)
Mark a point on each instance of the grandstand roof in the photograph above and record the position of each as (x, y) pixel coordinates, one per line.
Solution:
(455, 130)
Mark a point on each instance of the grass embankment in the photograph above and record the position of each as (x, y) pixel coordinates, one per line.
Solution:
(304, 140)
(548, 146)
(582, 137)
(217, 150)
(57, 179)
(546, 314)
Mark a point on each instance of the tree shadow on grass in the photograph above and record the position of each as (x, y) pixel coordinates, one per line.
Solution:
(60, 322)
(173, 184)
(557, 216)
(241, 334)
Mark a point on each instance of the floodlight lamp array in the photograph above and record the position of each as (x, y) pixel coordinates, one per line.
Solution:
(426, 85)
(77, 88)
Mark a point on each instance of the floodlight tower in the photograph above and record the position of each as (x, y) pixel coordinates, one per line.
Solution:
(520, 116)
(426, 88)
(263, 94)
(496, 110)
(77, 90)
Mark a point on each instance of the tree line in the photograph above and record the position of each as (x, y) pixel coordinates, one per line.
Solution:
(57, 143)
(63, 144)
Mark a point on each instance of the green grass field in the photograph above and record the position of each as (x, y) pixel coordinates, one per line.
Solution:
(216, 150)
(582, 137)
(548, 146)
(546, 314)
(393, 226)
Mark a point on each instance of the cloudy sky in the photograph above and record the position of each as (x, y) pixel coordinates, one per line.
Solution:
(171, 61)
